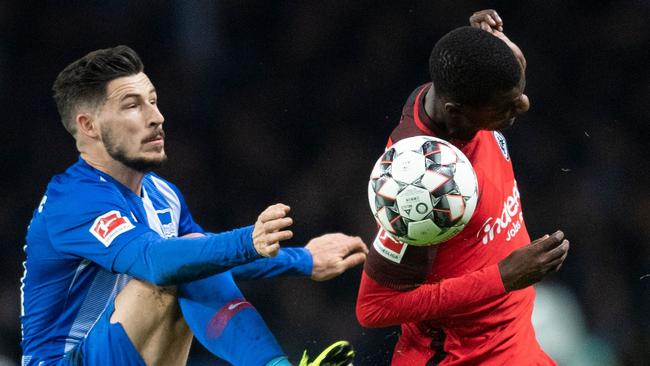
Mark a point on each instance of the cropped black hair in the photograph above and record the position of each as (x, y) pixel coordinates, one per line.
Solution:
(469, 65)
(84, 81)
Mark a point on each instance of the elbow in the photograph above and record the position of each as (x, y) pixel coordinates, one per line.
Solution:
(368, 315)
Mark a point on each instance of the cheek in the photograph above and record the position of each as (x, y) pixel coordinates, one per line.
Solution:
(123, 135)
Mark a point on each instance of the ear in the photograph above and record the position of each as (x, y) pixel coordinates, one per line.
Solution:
(86, 125)
(453, 108)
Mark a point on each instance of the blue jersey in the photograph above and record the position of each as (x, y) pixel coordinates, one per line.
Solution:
(84, 220)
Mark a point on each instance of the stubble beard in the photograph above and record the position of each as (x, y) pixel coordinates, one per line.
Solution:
(117, 152)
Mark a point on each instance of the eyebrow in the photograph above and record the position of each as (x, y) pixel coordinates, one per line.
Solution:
(136, 95)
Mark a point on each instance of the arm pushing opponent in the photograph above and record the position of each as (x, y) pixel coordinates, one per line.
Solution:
(112, 248)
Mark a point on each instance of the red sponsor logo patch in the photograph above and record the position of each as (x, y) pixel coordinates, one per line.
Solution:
(109, 225)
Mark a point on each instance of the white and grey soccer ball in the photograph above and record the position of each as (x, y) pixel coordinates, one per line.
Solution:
(423, 190)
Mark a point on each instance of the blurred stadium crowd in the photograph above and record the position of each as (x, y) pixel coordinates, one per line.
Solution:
(283, 101)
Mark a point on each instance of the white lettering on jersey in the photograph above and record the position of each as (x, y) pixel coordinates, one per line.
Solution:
(510, 220)
(109, 226)
(388, 247)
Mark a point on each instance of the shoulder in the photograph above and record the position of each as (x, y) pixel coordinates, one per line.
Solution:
(501, 143)
(407, 126)
(75, 192)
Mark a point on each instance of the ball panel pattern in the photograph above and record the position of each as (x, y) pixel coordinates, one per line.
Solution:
(422, 190)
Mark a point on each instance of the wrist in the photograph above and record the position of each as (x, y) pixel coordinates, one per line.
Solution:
(504, 276)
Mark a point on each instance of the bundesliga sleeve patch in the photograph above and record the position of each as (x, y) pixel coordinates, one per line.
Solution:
(109, 226)
(388, 247)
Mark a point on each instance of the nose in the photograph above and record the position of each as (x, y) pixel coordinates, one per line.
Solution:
(156, 118)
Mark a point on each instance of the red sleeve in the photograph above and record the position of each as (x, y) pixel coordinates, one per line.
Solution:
(379, 306)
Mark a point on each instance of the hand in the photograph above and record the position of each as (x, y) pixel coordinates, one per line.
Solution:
(487, 19)
(333, 254)
(529, 264)
(491, 22)
(268, 231)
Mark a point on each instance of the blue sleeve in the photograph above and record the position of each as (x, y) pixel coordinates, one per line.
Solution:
(178, 260)
(93, 221)
(289, 262)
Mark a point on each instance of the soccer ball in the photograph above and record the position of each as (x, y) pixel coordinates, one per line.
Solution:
(422, 190)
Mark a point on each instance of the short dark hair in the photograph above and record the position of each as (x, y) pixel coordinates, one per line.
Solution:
(470, 65)
(84, 81)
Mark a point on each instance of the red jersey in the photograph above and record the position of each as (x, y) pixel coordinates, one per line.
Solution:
(449, 298)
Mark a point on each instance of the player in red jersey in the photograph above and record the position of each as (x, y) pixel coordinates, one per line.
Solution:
(467, 301)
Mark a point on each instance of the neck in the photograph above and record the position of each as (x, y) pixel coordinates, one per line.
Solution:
(131, 178)
(445, 126)
(434, 109)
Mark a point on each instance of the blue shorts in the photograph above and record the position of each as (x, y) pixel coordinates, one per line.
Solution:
(106, 345)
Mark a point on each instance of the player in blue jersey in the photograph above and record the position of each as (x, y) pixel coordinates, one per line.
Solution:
(117, 271)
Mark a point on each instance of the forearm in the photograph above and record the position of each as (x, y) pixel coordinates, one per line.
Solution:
(379, 306)
(177, 260)
(288, 262)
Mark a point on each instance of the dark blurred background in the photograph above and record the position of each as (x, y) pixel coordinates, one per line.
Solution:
(292, 101)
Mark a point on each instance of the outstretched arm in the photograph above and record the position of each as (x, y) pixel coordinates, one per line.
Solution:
(177, 260)
(379, 305)
(323, 258)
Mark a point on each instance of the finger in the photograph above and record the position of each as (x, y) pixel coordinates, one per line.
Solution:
(287, 208)
(353, 260)
(490, 20)
(496, 17)
(278, 236)
(272, 250)
(539, 239)
(552, 241)
(274, 212)
(277, 224)
(558, 251)
(486, 27)
(355, 244)
(557, 268)
(557, 263)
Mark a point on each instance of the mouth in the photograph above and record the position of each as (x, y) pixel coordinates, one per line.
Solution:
(156, 139)
(155, 143)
